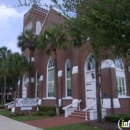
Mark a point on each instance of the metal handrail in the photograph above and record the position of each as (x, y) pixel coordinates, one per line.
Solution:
(9, 103)
(70, 105)
(89, 107)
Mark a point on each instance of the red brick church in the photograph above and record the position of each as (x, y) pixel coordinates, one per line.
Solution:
(76, 73)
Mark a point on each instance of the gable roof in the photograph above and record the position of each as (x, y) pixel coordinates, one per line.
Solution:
(52, 17)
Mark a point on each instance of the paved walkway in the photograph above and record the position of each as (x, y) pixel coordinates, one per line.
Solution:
(9, 124)
(54, 121)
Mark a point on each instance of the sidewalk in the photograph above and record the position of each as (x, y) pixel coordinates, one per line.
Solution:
(9, 124)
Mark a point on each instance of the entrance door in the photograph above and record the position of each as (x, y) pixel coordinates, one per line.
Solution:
(91, 94)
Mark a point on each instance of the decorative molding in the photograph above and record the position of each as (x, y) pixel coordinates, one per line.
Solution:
(32, 80)
(41, 78)
(19, 82)
(32, 59)
(107, 64)
(60, 73)
(107, 103)
(52, 98)
(75, 70)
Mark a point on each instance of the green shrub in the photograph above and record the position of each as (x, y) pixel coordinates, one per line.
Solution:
(61, 110)
(38, 113)
(124, 115)
(46, 108)
(22, 114)
(51, 113)
(11, 115)
(2, 107)
(115, 119)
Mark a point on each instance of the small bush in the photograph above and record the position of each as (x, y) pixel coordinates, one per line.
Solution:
(61, 110)
(46, 108)
(38, 113)
(115, 119)
(22, 114)
(51, 113)
(11, 115)
(2, 107)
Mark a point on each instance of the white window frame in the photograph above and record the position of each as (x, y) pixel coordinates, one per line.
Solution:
(67, 79)
(50, 62)
(36, 84)
(120, 73)
(92, 64)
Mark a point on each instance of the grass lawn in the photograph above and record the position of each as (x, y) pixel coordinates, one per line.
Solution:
(74, 127)
(27, 118)
(20, 118)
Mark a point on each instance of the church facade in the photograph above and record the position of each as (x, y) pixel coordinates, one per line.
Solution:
(76, 73)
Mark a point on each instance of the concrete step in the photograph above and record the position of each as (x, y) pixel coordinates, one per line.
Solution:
(79, 114)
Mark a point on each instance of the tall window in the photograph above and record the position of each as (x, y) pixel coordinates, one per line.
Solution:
(50, 78)
(37, 84)
(91, 63)
(24, 88)
(119, 63)
(121, 85)
(68, 78)
(120, 77)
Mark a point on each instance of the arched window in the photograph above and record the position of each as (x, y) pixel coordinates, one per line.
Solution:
(38, 27)
(37, 84)
(120, 77)
(91, 63)
(50, 78)
(119, 63)
(24, 87)
(68, 78)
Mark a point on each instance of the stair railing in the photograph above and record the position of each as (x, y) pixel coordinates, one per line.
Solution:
(10, 105)
(70, 105)
(87, 108)
(69, 108)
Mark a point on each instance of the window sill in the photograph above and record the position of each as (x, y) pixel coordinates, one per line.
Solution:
(67, 98)
(123, 97)
(51, 98)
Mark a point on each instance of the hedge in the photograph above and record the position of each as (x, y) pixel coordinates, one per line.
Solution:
(115, 119)
(50, 108)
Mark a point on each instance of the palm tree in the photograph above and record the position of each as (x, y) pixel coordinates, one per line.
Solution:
(52, 39)
(4, 53)
(28, 40)
(16, 66)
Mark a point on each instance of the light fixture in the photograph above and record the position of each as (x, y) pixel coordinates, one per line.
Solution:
(93, 76)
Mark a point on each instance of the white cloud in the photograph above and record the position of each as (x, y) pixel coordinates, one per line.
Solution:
(6, 14)
(11, 25)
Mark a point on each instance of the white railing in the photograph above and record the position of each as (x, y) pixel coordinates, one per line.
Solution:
(71, 105)
(87, 108)
(71, 108)
(10, 104)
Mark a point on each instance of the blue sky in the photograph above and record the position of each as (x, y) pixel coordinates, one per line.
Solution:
(11, 22)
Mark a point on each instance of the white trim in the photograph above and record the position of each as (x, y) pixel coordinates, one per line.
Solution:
(66, 79)
(75, 70)
(120, 97)
(32, 59)
(60, 73)
(41, 78)
(107, 64)
(32, 80)
(107, 103)
(51, 98)
(19, 82)
(47, 77)
(67, 98)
